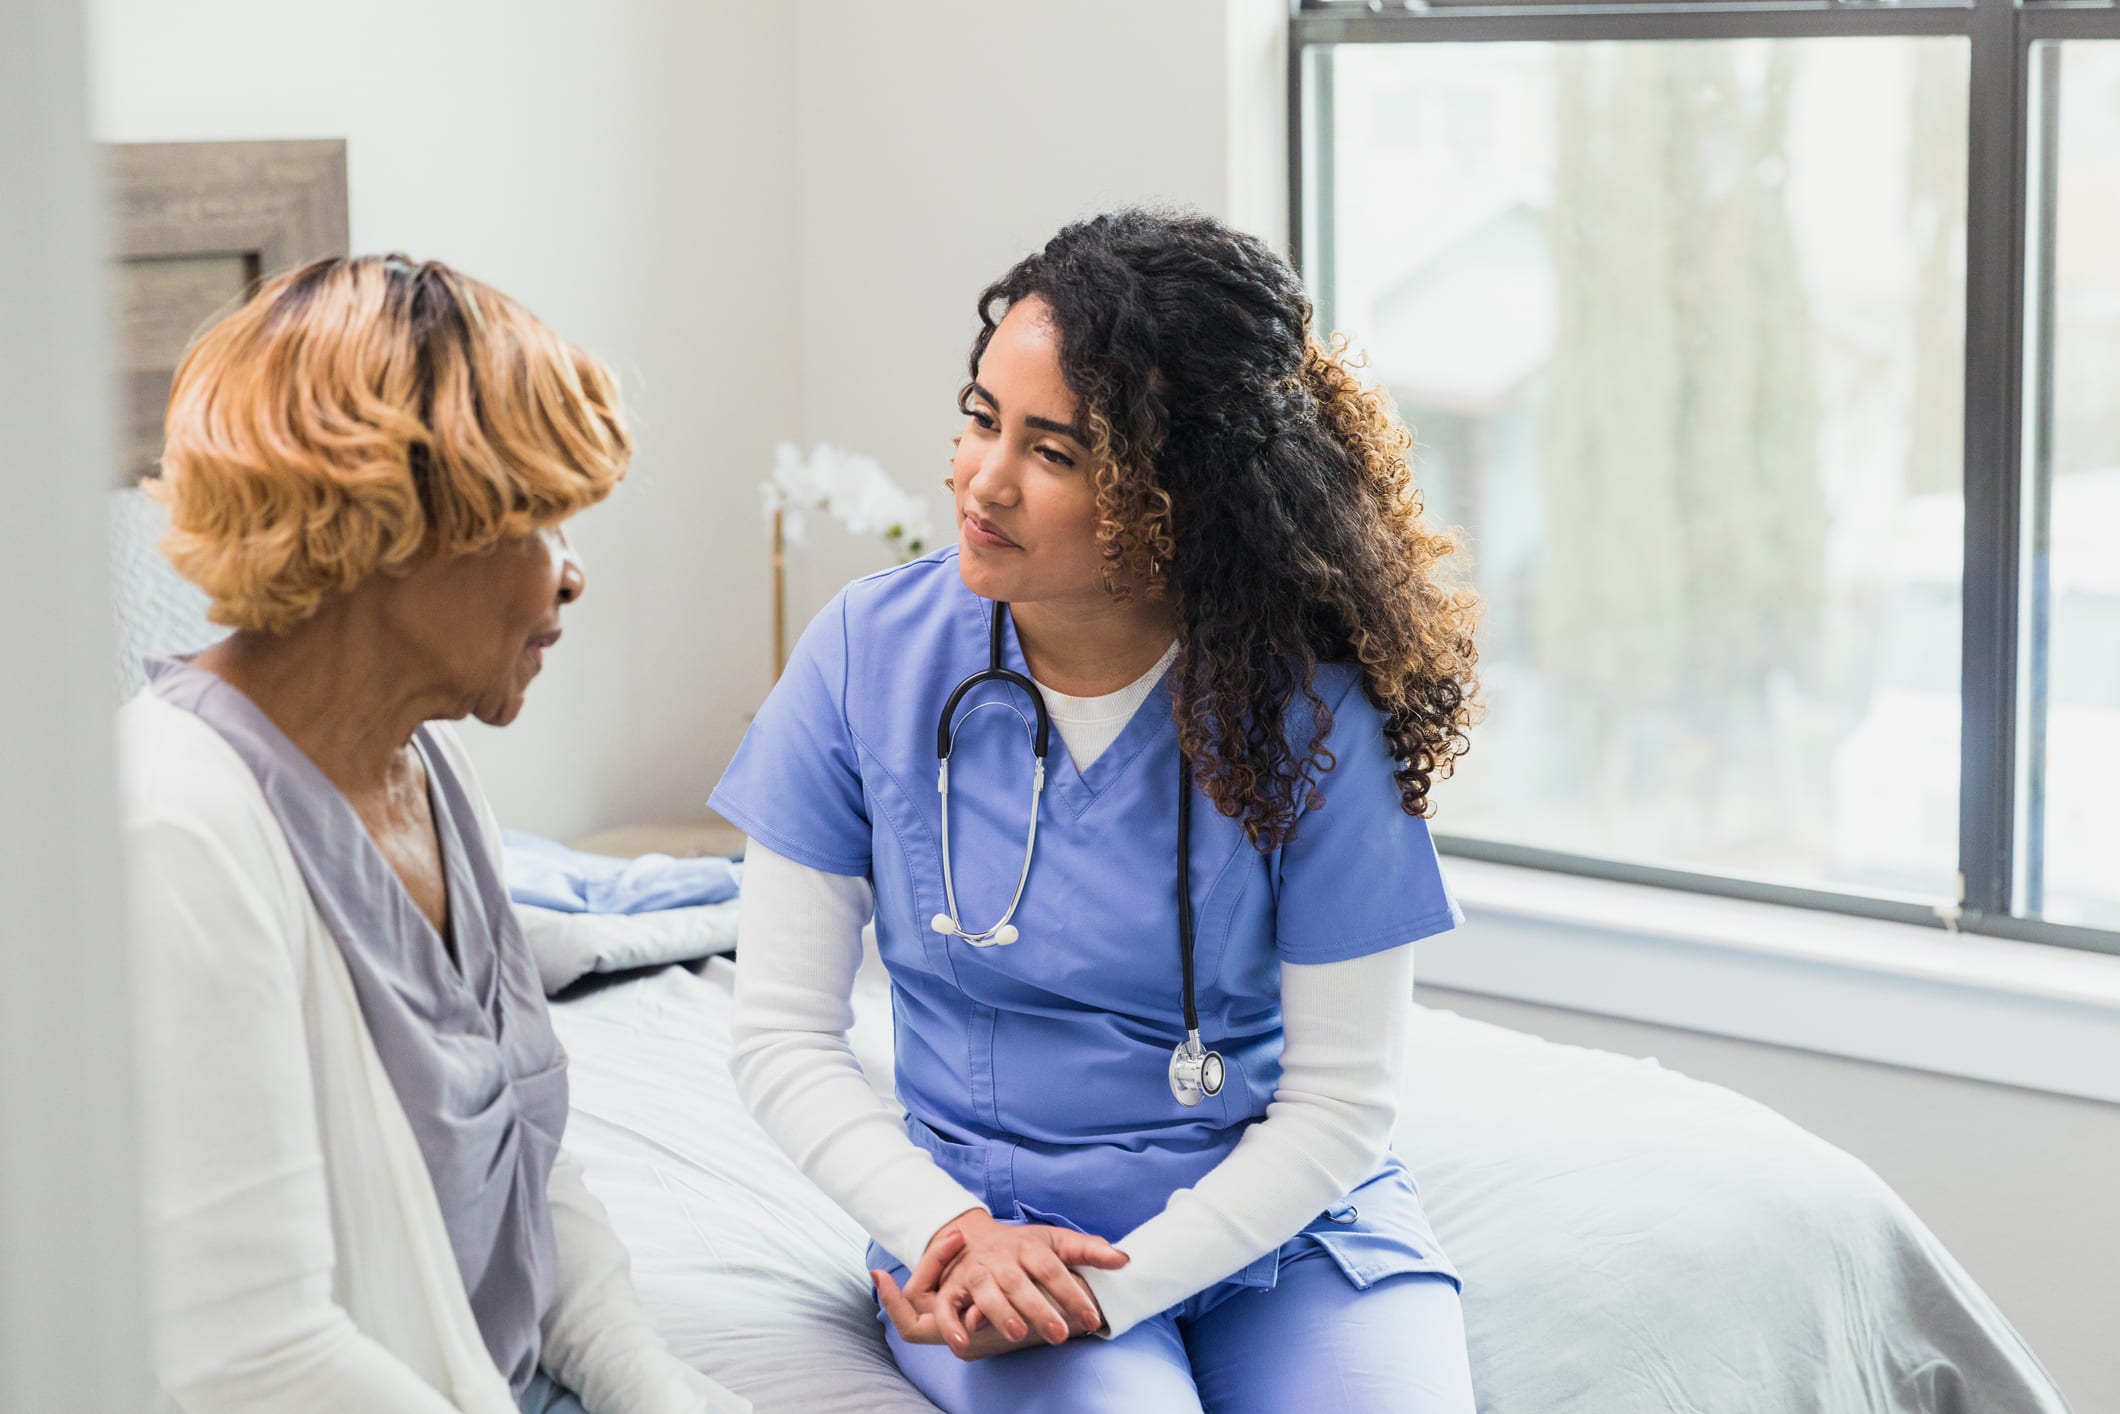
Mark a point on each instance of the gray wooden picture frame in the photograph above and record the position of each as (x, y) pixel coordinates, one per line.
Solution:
(194, 228)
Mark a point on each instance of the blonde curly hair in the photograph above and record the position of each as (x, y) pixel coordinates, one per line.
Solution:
(357, 415)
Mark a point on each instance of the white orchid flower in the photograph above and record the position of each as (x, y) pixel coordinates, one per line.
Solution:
(855, 490)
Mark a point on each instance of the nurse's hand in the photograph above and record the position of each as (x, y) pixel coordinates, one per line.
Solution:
(1014, 1275)
(918, 1324)
(913, 1311)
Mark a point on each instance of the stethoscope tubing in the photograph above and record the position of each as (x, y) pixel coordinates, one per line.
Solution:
(988, 937)
(1000, 934)
(1195, 1071)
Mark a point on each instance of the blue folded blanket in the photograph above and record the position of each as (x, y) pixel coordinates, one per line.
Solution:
(550, 875)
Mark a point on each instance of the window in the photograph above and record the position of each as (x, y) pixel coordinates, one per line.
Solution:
(1803, 572)
(2069, 813)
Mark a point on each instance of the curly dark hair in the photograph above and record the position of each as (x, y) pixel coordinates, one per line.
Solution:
(1244, 472)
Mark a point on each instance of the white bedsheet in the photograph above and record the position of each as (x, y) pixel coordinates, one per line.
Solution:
(1632, 1241)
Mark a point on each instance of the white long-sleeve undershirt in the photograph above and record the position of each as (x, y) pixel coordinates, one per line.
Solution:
(798, 946)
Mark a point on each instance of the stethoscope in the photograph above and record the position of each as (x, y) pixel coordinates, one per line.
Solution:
(1195, 1071)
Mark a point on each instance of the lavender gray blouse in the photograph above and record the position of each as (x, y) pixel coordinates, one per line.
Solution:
(467, 1043)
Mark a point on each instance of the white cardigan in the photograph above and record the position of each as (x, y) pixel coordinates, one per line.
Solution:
(295, 1252)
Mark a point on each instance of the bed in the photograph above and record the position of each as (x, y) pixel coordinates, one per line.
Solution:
(1631, 1240)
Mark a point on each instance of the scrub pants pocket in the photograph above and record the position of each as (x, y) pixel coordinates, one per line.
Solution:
(1318, 1343)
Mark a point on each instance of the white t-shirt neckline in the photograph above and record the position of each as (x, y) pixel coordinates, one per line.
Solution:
(1089, 725)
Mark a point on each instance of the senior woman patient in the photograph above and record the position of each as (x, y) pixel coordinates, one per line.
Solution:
(357, 1195)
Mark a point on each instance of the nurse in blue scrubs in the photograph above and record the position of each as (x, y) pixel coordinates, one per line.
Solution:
(1150, 990)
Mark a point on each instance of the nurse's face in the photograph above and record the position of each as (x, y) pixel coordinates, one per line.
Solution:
(1026, 505)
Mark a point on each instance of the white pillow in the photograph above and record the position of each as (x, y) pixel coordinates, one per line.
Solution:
(158, 612)
(570, 946)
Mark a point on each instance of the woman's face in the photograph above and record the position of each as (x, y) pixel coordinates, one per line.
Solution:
(481, 623)
(1026, 505)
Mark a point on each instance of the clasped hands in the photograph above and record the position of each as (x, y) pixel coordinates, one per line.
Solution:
(985, 1287)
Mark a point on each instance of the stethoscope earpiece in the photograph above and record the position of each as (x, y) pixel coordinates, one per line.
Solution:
(998, 937)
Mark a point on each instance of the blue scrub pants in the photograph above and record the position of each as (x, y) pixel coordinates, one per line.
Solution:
(1313, 1342)
(548, 1396)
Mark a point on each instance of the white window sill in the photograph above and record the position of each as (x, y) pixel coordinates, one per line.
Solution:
(2024, 1014)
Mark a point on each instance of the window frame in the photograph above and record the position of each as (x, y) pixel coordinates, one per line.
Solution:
(1994, 662)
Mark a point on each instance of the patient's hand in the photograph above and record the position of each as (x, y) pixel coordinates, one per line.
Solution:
(1016, 1276)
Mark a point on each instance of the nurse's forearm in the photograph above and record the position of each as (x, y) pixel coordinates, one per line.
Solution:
(799, 941)
(1328, 1125)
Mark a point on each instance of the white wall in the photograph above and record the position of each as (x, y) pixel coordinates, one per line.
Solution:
(940, 143)
(71, 1335)
(2019, 1185)
(627, 170)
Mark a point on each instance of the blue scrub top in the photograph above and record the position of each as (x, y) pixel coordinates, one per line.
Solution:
(1037, 1074)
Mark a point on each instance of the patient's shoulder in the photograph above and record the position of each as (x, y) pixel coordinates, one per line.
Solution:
(175, 771)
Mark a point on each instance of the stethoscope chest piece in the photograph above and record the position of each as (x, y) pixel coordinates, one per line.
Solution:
(1195, 1071)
